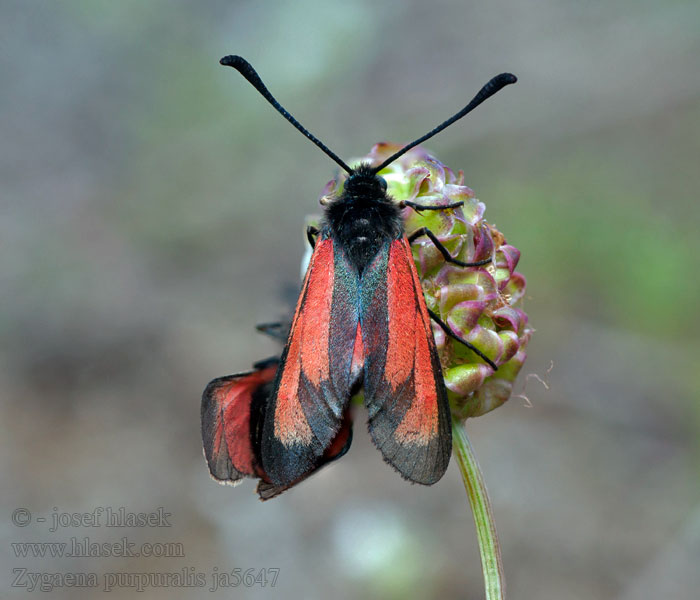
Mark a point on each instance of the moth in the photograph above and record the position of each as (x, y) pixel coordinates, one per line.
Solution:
(361, 322)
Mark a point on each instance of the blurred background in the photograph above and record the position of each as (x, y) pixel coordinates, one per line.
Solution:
(152, 212)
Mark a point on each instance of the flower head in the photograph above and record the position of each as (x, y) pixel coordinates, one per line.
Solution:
(482, 305)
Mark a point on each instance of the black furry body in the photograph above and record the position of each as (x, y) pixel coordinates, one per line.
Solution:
(363, 218)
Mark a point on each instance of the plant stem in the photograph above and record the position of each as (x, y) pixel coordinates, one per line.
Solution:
(491, 563)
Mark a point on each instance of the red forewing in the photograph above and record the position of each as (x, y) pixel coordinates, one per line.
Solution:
(314, 381)
(409, 416)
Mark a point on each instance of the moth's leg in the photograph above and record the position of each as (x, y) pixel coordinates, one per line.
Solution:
(267, 362)
(311, 231)
(446, 328)
(276, 330)
(445, 253)
(420, 207)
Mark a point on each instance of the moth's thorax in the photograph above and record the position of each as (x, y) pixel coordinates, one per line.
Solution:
(363, 182)
(363, 218)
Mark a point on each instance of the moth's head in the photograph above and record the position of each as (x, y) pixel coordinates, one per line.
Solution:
(364, 182)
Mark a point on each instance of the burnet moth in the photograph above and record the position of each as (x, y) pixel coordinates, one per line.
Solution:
(361, 321)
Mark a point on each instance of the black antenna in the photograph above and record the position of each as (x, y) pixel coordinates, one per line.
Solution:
(246, 69)
(493, 86)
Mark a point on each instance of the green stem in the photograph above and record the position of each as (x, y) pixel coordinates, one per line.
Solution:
(491, 563)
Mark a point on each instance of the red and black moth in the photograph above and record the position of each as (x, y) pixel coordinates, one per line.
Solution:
(361, 321)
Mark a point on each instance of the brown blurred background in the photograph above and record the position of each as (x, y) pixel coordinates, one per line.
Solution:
(152, 212)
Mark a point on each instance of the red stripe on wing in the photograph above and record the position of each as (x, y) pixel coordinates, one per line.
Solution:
(401, 305)
(291, 425)
(315, 320)
(420, 422)
(226, 414)
(235, 399)
(307, 348)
